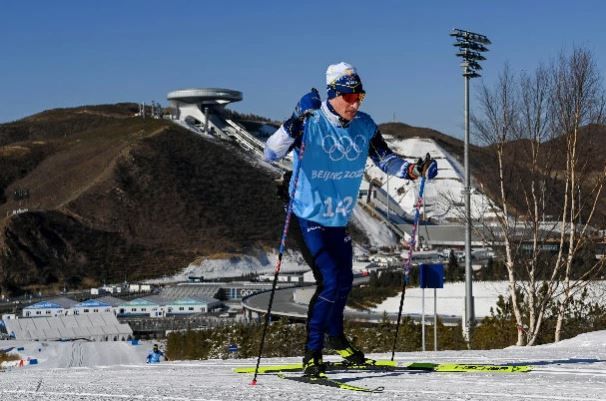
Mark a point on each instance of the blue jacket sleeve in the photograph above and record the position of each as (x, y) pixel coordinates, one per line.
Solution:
(386, 159)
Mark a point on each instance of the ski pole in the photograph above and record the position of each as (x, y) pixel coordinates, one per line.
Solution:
(408, 264)
(280, 255)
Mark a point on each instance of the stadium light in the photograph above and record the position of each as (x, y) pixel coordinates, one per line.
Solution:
(470, 46)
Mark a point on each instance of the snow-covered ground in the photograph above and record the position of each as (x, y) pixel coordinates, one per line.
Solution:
(378, 234)
(574, 369)
(451, 298)
(79, 354)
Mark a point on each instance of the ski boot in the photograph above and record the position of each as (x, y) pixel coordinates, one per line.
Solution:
(313, 366)
(352, 355)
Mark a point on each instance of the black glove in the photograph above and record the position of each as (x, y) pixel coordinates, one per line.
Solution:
(427, 167)
(308, 103)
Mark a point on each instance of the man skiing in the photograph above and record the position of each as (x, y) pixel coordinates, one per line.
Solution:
(155, 355)
(337, 140)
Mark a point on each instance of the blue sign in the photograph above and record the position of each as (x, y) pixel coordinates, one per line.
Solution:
(232, 348)
(44, 305)
(91, 303)
(431, 275)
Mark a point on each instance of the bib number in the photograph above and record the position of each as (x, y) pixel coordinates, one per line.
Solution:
(342, 207)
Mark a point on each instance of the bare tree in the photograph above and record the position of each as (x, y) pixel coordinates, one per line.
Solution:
(533, 125)
(577, 102)
(497, 129)
(533, 129)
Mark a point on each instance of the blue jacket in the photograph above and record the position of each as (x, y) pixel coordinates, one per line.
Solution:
(154, 356)
(333, 163)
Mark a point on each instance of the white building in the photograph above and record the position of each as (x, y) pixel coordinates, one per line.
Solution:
(107, 304)
(140, 307)
(156, 306)
(196, 107)
(53, 307)
(190, 305)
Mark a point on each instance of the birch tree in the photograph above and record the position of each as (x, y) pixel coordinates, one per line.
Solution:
(543, 113)
(496, 129)
(577, 102)
(539, 161)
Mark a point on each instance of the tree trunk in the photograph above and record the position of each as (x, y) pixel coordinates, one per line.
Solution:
(509, 263)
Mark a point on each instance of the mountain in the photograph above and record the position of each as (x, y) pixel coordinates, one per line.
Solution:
(94, 194)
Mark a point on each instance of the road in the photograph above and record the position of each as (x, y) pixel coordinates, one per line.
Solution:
(284, 305)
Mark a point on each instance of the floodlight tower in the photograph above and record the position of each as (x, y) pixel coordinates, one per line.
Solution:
(471, 46)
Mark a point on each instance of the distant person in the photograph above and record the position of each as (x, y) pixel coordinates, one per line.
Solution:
(338, 139)
(155, 355)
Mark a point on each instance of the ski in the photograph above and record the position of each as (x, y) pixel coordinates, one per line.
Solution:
(388, 365)
(464, 367)
(330, 366)
(325, 381)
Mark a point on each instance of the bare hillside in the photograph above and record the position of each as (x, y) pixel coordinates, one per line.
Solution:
(110, 196)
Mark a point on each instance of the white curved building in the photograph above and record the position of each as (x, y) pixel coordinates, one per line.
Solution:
(196, 106)
(200, 110)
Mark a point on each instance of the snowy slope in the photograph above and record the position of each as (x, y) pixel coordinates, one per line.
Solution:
(444, 195)
(378, 234)
(236, 266)
(59, 354)
(574, 369)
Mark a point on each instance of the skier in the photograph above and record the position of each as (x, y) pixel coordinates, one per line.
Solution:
(155, 355)
(337, 140)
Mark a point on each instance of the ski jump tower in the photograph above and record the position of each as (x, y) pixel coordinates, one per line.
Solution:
(197, 106)
(199, 110)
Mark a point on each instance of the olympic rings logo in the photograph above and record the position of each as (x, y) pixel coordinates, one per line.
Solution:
(338, 148)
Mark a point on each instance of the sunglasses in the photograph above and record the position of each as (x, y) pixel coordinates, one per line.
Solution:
(352, 98)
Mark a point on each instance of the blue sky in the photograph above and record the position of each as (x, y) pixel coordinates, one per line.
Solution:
(70, 53)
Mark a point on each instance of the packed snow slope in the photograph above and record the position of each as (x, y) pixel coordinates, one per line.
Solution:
(574, 369)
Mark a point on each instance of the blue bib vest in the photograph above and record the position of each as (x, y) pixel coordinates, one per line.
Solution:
(332, 168)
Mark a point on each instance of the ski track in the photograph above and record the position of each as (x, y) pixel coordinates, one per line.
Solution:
(116, 371)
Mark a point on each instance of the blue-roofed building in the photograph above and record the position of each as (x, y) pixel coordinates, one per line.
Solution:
(92, 306)
(53, 307)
